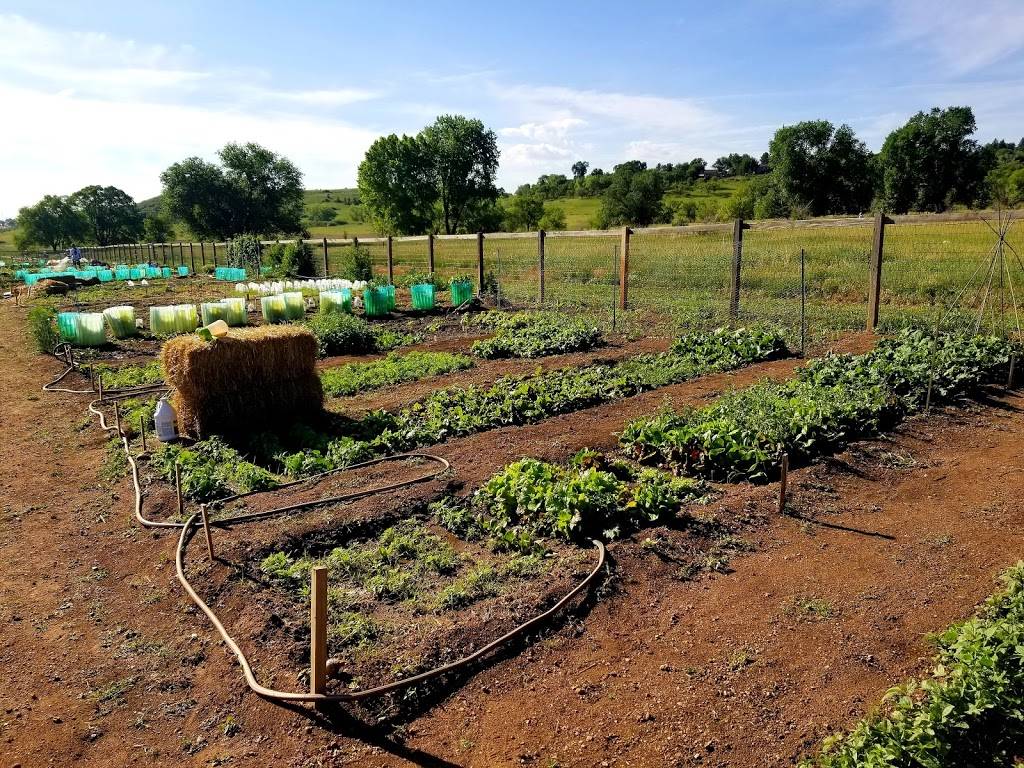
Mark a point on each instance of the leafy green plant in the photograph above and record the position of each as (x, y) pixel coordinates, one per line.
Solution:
(410, 279)
(536, 335)
(969, 711)
(124, 376)
(211, 469)
(358, 264)
(42, 328)
(343, 334)
(831, 402)
(394, 369)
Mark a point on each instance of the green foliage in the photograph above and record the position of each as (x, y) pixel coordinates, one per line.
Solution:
(397, 185)
(393, 369)
(341, 334)
(211, 469)
(821, 169)
(553, 219)
(464, 156)
(539, 334)
(634, 197)
(291, 260)
(358, 264)
(110, 214)
(524, 210)
(969, 711)
(244, 251)
(128, 375)
(832, 401)
(53, 222)
(42, 328)
(156, 229)
(253, 190)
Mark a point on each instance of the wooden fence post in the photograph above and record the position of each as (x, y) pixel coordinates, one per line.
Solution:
(540, 264)
(737, 259)
(624, 268)
(480, 262)
(214, 253)
(875, 269)
(192, 257)
(391, 260)
(318, 630)
(430, 252)
(327, 271)
(202, 253)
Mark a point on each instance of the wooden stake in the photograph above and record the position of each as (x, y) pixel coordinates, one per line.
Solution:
(142, 432)
(783, 482)
(624, 268)
(318, 630)
(117, 416)
(206, 530)
(1009, 378)
(99, 379)
(177, 488)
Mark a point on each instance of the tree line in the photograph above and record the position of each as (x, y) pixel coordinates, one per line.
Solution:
(443, 180)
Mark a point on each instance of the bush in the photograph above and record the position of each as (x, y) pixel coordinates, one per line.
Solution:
(358, 264)
(42, 327)
(341, 334)
(244, 251)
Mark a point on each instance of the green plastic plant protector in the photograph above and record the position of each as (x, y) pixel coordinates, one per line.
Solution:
(90, 329)
(121, 321)
(374, 304)
(211, 311)
(234, 311)
(186, 319)
(182, 271)
(462, 291)
(294, 305)
(422, 296)
(273, 309)
(66, 326)
(335, 302)
(165, 271)
(121, 273)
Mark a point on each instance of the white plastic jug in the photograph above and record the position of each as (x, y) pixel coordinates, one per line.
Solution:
(166, 421)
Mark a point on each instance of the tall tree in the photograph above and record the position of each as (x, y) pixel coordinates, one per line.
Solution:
(931, 162)
(254, 190)
(110, 214)
(157, 229)
(465, 159)
(525, 209)
(821, 169)
(579, 170)
(53, 222)
(633, 197)
(397, 185)
(445, 172)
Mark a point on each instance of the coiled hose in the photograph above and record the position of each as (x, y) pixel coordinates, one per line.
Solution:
(188, 528)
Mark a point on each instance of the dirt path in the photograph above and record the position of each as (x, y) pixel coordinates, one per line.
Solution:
(107, 664)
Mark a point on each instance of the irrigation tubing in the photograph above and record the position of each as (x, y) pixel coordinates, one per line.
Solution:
(189, 526)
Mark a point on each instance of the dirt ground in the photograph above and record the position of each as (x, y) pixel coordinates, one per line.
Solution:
(800, 631)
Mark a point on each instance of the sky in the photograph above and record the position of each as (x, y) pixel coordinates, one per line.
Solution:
(105, 92)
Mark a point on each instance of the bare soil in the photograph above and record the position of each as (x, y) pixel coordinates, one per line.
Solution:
(791, 626)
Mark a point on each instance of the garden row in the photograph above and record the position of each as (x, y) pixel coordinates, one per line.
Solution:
(208, 472)
(831, 401)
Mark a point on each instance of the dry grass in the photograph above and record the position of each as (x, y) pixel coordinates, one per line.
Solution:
(253, 376)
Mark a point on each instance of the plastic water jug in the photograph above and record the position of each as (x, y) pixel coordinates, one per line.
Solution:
(166, 421)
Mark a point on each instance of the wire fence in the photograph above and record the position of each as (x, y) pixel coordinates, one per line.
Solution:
(812, 278)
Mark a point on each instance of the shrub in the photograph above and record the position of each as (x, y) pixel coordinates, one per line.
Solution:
(291, 260)
(358, 264)
(42, 327)
(244, 251)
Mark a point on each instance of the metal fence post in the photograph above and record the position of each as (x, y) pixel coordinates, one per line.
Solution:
(803, 304)
(624, 268)
(875, 269)
(327, 271)
(391, 260)
(540, 264)
(430, 252)
(480, 262)
(737, 258)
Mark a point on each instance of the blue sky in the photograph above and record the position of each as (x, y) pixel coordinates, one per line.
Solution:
(111, 93)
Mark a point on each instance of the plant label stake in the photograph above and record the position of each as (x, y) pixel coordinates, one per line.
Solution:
(177, 488)
(206, 530)
(99, 380)
(783, 482)
(318, 630)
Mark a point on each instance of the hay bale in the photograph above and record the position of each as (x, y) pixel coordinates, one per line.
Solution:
(250, 379)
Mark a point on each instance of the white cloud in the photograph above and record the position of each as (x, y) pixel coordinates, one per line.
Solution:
(965, 39)
(556, 129)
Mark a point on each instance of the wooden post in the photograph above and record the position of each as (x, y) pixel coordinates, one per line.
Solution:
(480, 262)
(783, 482)
(163, 254)
(206, 530)
(540, 265)
(737, 258)
(391, 260)
(99, 383)
(117, 417)
(181, 253)
(214, 253)
(430, 253)
(202, 253)
(142, 432)
(177, 488)
(624, 268)
(1009, 378)
(875, 270)
(327, 271)
(192, 257)
(318, 630)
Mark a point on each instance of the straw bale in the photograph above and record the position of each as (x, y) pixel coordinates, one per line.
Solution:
(250, 379)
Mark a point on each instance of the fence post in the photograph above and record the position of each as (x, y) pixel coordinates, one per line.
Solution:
(624, 268)
(875, 269)
(480, 262)
(192, 257)
(430, 252)
(318, 630)
(214, 253)
(540, 263)
(737, 258)
(391, 260)
(163, 254)
(327, 272)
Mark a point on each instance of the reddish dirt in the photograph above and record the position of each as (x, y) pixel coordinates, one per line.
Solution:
(108, 664)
